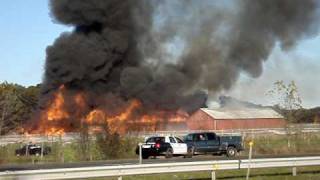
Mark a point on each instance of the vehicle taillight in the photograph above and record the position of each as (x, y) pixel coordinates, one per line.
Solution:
(157, 145)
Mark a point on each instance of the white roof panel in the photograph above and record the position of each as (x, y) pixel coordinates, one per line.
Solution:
(247, 113)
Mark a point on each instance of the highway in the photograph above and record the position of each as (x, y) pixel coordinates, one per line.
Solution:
(198, 158)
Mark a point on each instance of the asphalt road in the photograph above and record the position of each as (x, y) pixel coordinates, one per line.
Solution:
(16, 167)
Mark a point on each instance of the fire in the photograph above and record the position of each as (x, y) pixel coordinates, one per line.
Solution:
(54, 131)
(116, 123)
(79, 99)
(53, 115)
(95, 115)
(57, 119)
(56, 110)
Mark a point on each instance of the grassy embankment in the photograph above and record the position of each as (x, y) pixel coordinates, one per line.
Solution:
(95, 151)
(305, 173)
(73, 152)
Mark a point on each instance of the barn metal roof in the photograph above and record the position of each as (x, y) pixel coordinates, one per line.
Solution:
(247, 113)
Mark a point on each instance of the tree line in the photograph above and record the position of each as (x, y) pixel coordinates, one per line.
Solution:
(16, 105)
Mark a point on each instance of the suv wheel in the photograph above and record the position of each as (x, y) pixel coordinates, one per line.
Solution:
(169, 153)
(145, 156)
(231, 152)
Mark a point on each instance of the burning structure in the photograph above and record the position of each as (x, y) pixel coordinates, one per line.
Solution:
(117, 66)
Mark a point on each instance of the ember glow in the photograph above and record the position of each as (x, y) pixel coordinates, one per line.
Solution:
(58, 119)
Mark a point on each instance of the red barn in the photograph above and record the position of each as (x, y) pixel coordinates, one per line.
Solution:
(221, 119)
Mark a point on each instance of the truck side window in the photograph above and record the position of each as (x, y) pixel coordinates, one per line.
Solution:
(200, 137)
(189, 138)
(211, 136)
(172, 140)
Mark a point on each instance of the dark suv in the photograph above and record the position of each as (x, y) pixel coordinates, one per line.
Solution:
(210, 143)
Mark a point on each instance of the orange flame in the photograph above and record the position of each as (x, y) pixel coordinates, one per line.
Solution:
(54, 114)
(116, 123)
(54, 119)
(56, 110)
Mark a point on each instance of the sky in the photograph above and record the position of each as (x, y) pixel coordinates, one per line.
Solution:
(301, 65)
(27, 29)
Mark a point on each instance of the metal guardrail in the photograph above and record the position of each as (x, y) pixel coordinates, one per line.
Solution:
(144, 169)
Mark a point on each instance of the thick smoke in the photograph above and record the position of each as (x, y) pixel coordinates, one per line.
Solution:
(170, 54)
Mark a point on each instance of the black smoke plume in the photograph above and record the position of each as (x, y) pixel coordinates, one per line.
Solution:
(124, 47)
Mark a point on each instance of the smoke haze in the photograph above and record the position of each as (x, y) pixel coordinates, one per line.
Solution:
(121, 47)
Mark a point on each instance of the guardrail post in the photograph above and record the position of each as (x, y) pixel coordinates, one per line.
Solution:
(42, 146)
(140, 153)
(213, 175)
(120, 178)
(250, 157)
(294, 171)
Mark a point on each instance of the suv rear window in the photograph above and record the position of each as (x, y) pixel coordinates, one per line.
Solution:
(155, 139)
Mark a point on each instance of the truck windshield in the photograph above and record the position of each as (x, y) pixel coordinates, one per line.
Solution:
(189, 137)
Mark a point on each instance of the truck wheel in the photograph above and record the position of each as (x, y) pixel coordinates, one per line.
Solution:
(231, 152)
(169, 153)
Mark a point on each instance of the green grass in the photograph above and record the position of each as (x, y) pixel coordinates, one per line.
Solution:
(74, 152)
(278, 144)
(305, 173)
(71, 152)
(263, 145)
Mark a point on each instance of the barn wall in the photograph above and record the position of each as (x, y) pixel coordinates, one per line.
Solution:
(200, 121)
(250, 123)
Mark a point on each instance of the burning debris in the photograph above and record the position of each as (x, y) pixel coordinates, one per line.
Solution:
(115, 66)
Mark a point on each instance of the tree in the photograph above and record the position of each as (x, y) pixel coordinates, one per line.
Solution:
(9, 106)
(109, 143)
(16, 105)
(286, 96)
